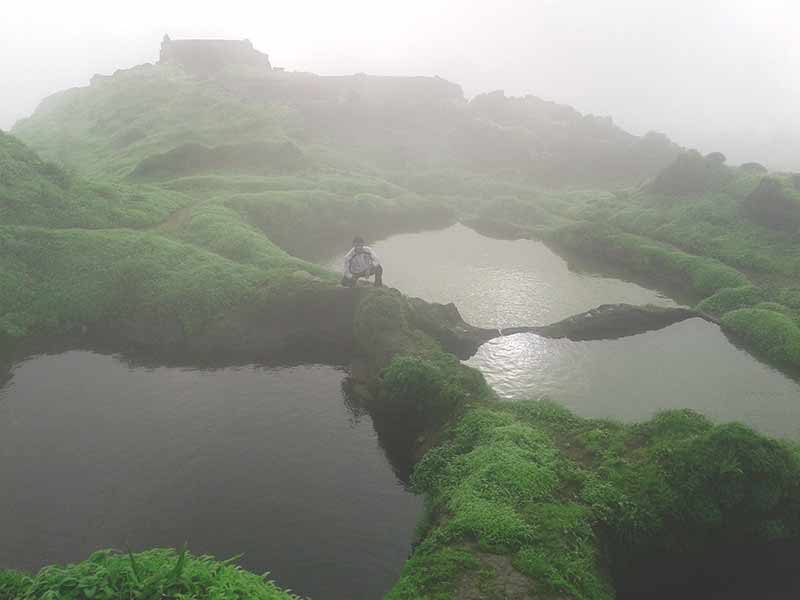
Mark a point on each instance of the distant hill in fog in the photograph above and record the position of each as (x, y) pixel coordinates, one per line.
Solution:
(212, 94)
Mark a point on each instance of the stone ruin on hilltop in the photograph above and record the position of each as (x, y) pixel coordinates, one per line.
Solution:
(206, 57)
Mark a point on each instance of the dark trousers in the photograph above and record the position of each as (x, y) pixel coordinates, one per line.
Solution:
(353, 279)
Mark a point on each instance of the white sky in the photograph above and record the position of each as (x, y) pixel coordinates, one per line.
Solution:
(713, 74)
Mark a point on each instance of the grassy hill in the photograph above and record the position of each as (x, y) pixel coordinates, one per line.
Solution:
(40, 193)
(251, 121)
(76, 251)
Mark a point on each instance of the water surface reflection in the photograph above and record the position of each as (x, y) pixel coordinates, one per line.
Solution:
(267, 461)
(506, 283)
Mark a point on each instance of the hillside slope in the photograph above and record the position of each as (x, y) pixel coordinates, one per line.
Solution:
(360, 122)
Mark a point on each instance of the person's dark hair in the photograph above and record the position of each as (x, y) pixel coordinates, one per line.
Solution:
(358, 241)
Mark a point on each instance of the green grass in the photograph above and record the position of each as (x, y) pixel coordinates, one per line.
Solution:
(204, 253)
(503, 485)
(52, 280)
(111, 126)
(532, 482)
(39, 193)
(702, 275)
(155, 574)
(222, 230)
(416, 377)
(769, 332)
(728, 299)
(432, 573)
(436, 385)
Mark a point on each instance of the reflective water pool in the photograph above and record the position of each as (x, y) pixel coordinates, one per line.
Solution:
(506, 283)
(96, 453)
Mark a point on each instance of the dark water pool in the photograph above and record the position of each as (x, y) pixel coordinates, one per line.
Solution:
(96, 453)
(498, 283)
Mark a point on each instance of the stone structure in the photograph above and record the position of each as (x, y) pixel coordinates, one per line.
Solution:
(206, 57)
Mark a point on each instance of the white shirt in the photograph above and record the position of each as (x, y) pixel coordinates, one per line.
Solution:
(360, 261)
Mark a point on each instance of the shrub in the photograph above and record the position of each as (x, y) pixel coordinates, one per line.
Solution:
(673, 423)
(733, 483)
(773, 334)
(728, 299)
(433, 387)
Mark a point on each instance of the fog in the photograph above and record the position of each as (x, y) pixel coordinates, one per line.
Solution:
(715, 75)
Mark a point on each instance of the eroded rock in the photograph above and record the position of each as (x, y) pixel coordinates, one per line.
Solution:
(606, 322)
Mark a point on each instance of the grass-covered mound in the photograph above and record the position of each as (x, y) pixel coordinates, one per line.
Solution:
(40, 193)
(52, 280)
(161, 574)
(117, 122)
(769, 329)
(529, 496)
(500, 487)
(702, 275)
(411, 374)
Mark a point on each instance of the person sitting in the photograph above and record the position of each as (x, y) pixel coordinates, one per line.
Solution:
(361, 261)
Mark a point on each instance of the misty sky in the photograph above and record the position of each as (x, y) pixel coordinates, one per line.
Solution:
(716, 75)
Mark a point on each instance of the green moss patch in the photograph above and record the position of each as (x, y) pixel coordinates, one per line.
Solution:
(502, 484)
(530, 481)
